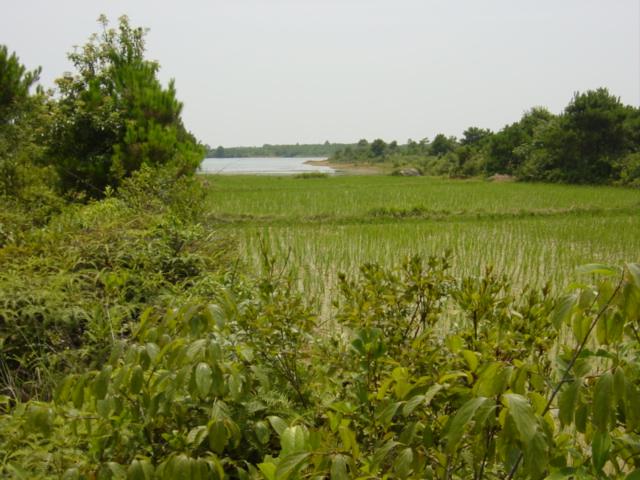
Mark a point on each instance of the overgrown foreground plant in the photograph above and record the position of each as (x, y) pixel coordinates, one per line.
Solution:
(70, 289)
(423, 376)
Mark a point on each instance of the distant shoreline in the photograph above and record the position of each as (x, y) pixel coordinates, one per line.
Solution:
(348, 168)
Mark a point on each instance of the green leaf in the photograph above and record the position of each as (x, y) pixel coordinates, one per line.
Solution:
(179, 467)
(268, 470)
(619, 385)
(597, 269)
(381, 453)
(204, 379)
(522, 414)
(40, 419)
(101, 383)
(632, 406)
(536, 459)
(634, 272)
(460, 421)
(117, 470)
(349, 439)
(77, 395)
(339, 468)
(603, 402)
(218, 436)
(471, 358)
(140, 469)
(197, 435)
(492, 380)
(294, 440)
(600, 447)
(581, 417)
(562, 311)
(137, 379)
(290, 465)
(218, 384)
(262, 432)
(403, 463)
(566, 472)
(412, 404)
(385, 416)
(278, 424)
(567, 401)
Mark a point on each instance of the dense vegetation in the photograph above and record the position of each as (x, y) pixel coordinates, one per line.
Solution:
(106, 120)
(595, 139)
(325, 149)
(139, 340)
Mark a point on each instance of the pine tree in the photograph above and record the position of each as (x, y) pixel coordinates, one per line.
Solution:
(114, 116)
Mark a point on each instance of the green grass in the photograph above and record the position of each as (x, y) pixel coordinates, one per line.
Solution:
(531, 232)
(296, 198)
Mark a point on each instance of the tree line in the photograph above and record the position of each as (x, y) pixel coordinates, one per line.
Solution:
(325, 149)
(595, 139)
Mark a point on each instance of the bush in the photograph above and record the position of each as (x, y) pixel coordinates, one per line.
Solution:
(72, 288)
(629, 170)
(422, 376)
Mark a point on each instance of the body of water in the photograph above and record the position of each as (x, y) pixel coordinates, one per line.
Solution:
(262, 166)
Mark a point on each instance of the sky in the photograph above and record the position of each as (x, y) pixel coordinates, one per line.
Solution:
(251, 72)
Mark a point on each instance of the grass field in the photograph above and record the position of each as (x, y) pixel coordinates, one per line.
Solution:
(531, 232)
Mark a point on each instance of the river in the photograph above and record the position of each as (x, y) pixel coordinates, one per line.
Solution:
(262, 166)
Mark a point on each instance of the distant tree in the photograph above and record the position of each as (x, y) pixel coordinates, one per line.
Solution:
(219, 152)
(442, 145)
(475, 136)
(591, 135)
(113, 115)
(506, 149)
(413, 148)
(23, 114)
(378, 148)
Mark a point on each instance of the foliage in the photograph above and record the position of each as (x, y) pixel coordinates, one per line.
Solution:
(584, 144)
(23, 119)
(113, 116)
(72, 288)
(425, 377)
(16, 82)
(593, 140)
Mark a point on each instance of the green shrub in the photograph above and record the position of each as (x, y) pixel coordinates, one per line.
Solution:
(68, 290)
(421, 376)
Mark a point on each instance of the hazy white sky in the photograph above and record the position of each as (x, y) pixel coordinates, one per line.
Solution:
(284, 71)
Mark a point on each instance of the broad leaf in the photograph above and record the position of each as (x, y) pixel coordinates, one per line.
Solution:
(522, 414)
(567, 401)
(598, 269)
(204, 379)
(339, 468)
(290, 465)
(460, 421)
(603, 402)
